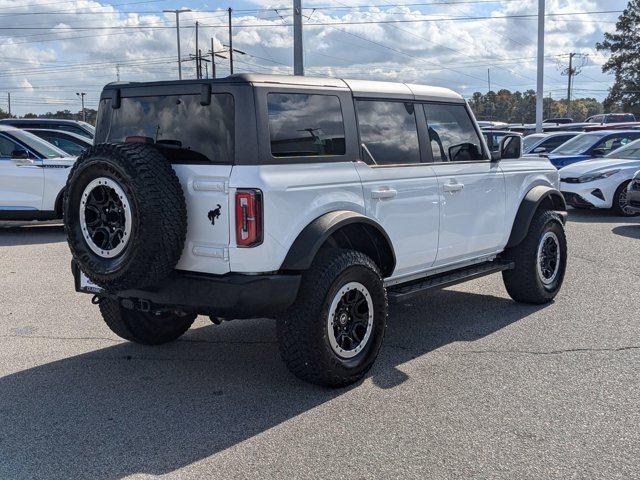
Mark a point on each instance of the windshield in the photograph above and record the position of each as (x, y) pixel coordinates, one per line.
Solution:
(530, 140)
(578, 145)
(41, 147)
(630, 151)
(178, 124)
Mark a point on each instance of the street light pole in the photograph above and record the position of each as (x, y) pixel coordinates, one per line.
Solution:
(298, 56)
(540, 79)
(178, 12)
(81, 95)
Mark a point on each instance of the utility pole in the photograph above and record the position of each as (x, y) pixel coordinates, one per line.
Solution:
(178, 12)
(574, 69)
(570, 73)
(9, 102)
(540, 79)
(213, 60)
(488, 93)
(230, 43)
(117, 72)
(298, 52)
(198, 69)
(81, 95)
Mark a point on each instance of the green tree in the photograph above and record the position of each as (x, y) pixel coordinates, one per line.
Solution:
(624, 49)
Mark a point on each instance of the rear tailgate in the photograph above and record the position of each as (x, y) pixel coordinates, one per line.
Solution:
(206, 191)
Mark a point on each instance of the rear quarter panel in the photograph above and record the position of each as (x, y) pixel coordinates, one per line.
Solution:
(294, 195)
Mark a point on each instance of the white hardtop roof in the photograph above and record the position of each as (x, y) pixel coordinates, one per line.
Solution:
(360, 88)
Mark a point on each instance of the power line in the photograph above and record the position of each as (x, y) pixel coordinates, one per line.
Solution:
(318, 24)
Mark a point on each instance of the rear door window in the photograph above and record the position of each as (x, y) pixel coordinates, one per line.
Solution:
(388, 132)
(184, 129)
(305, 125)
(452, 134)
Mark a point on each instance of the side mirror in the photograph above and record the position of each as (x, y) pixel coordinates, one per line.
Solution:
(510, 148)
(19, 154)
(598, 152)
(539, 150)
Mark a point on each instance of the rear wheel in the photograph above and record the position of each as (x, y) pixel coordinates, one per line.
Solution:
(332, 334)
(540, 261)
(147, 328)
(621, 204)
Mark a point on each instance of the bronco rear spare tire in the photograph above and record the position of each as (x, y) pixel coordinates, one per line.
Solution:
(125, 215)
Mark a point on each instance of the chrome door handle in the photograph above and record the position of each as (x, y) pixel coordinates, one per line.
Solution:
(453, 187)
(384, 193)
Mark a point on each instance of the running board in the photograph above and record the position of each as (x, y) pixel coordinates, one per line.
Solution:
(399, 293)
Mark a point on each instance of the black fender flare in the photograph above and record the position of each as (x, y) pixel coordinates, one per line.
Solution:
(528, 207)
(313, 236)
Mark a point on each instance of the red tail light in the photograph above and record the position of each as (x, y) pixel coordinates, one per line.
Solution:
(248, 217)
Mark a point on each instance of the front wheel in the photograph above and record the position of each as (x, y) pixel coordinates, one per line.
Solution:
(332, 334)
(540, 261)
(621, 204)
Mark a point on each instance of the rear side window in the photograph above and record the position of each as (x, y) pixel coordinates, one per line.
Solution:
(388, 132)
(302, 125)
(184, 129)
(554, 142)
(452, 134)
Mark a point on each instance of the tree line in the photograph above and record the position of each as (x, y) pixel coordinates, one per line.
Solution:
(520, 107)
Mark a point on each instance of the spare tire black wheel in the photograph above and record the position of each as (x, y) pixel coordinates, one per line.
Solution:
(125, 215)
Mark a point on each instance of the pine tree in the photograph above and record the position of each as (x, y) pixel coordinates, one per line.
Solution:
(624, 62)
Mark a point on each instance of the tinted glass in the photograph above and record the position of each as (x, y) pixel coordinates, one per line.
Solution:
(36, 144)
(554, 142)
(388, 131)
(70, 147)
(613, 143)
(7, 147)
(630, 151)
(184, 129)
(452, 134)
(305, 125)
(579, 144)
(530, 140)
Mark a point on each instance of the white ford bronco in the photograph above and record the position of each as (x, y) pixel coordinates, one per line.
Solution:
(314, 201)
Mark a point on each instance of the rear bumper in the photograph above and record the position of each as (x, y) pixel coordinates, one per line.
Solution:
(230, 295)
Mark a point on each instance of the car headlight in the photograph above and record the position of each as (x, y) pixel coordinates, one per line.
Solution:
(590, 177)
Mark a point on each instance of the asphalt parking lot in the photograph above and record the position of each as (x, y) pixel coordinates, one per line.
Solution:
(468, 384)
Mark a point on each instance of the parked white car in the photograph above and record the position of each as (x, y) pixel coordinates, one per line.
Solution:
(602, 182)
(33, 173)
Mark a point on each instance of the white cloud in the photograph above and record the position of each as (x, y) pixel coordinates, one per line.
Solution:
(46, 67)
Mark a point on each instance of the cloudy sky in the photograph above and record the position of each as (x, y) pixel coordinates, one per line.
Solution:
(51, 49)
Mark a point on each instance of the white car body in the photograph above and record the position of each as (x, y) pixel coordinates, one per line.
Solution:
(30, 188)
(623, 171)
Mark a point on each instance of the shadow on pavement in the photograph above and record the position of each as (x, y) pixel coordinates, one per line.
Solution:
(15, 234)
(631, 231)
(595, 215)
(129, 409)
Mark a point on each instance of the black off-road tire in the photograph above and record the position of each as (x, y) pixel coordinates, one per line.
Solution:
(142, 327)
(616, 207)
(302, 331)
(523, 283)
(158, 211)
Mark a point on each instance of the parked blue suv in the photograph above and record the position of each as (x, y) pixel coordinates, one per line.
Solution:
(591, 145)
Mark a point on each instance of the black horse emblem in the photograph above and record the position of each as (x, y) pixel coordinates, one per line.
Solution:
(214, 214)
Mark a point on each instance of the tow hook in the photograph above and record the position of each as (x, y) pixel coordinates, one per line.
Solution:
(139, 304)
